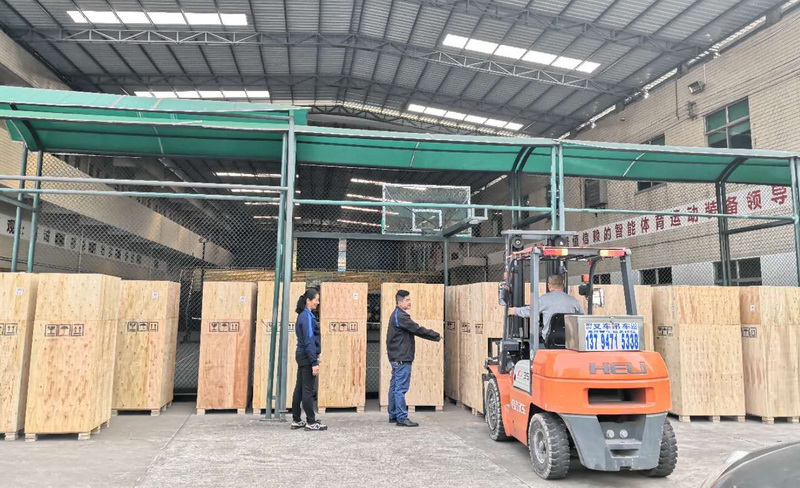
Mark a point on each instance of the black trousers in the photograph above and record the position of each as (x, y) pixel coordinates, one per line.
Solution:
(304, 393)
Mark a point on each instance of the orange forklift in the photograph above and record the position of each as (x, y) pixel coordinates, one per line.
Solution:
(587, 390)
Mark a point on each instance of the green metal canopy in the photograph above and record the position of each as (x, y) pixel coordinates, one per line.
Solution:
(64, 121)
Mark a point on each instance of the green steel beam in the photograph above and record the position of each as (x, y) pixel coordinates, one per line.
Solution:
(682, 214)
(23, 169)
(35, 214)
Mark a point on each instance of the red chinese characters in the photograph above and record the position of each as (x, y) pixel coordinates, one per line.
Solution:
(596, 235)
(631, 228)
(675, 220)
(754, 200)
(659, 222)
(607, 234)
(585, 238)
(645, 224)
(618, 230)
(711, 207)
(692, 218)
(779, 194)
(732, 205)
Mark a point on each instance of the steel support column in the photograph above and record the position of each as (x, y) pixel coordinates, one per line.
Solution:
(288, 241)
(446, 262)
(23, 169)
(37, 203)
(560, 178)
(724, 238)
(276, 292)
(795, 169)
(553, 188)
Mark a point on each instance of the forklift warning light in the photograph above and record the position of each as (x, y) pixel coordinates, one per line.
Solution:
(556, 251)
(612, 253)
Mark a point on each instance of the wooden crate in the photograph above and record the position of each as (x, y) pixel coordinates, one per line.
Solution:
(261, 356)
(226, 344)
(451, 349)
(72, 354)
(614, 304)
(699, 336)
(770, 341)
(343, 364)
(17, 309)
(147, 335)
(427, 376)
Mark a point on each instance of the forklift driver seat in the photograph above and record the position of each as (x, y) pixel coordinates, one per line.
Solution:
(556, 338)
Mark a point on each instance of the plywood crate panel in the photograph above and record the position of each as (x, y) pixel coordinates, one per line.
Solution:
(17, 312)
(452, 324)
(343, 331)
(427, 377)
(226, 343)
(770, 341)
(146, 339)
(614, 304)
(704, 359)
(72, 354)
(263, 331)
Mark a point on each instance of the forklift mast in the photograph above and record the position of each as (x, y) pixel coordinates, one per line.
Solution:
(551, 248)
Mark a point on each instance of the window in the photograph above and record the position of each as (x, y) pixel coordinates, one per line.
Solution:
(46, 236)
(657, 276)
(645, 185)
(744, 272)
(59, 239)
(602, 279)
(73, 242)
(92, 247)
(730, 127)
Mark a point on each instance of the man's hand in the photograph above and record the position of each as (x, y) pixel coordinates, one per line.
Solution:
(511, 311)
(315, 370)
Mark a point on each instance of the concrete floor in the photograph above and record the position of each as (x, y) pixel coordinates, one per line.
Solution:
(451, 448)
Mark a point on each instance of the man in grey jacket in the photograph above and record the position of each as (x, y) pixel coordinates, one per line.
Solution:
(551, 303)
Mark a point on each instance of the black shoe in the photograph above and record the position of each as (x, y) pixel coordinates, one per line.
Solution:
(316, 426)
(298, 425)
(392, 421)
(407, 423)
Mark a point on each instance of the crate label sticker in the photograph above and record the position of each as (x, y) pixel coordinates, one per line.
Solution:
(673, 308)
(154, 296)
(8, 329)
(152, 326)
(132, 327)
(344, 327)
(63, 330)
(242, 298)
(355, 296)
(664, 331)
(465, 327)
(479, 328)
(50, 330)
(752, 308)
(18, 291)
(750, 332)
(223, 327)
(77, 330)
(451, 326)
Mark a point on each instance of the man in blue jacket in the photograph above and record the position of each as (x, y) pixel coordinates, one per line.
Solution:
(400, 349)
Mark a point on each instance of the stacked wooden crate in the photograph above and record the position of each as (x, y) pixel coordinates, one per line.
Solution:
(427, 378)
(451, 347)
(263, 331)
(17, 309)
(72, 355)
(698, 333)
(614, 304)
(770, 349)
(146, 337)
(226, 344)
(343, 363)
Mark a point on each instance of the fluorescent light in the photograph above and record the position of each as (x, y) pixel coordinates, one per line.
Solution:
(485, 47)
(514, 126)
(202, 19)
(455, 115)
(230, 173)
(252, 190)
(265, 216)
(133, 17)
(539, 57)
(455, 41)
(101, 17)
(588, 66)
(496, 123)
(77, 17)
(167, 18)
(369, 182)
(435, 111)
(234, 93)
(364, 197)
(509, 52)
(188, 94)
(358, 223)
(566, 63)
(233, 19)
(413, 107)
(143, 94)
(211, 94)
(257, 93)
(164, 94)
(362, 209)
(474, 119)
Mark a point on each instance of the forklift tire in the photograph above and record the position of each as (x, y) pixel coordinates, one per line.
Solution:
(548, 443)
(494, 413)
(668, 457)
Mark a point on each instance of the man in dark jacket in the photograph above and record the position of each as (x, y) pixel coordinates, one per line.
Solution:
(400, 349)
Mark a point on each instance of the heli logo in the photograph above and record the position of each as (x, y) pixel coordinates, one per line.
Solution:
(517, 407)
(617, 368)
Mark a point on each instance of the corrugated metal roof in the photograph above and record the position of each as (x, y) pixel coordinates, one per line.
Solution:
(603, 31)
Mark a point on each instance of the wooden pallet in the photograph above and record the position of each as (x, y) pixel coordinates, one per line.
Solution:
(82, 436)
(239, 411)
(771, 420)
(340, 409)
(413, 408)
(153, 412)
(714, 419)
(12, 436)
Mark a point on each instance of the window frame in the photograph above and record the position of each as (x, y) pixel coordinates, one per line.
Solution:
(653, 141)
(737, 272)
(726, 128)
(657, 273)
